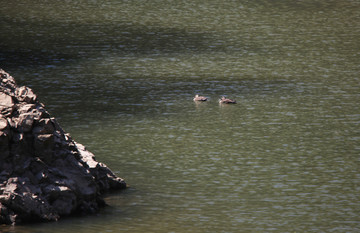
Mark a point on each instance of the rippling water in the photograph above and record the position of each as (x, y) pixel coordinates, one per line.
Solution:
(120, 77)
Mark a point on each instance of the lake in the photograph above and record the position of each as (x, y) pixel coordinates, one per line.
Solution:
(120, 77)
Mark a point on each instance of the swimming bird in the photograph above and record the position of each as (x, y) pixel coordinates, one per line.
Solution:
(224, 100)
(199, 98)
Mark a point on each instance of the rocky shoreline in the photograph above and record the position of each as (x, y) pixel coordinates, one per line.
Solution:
(44, 173)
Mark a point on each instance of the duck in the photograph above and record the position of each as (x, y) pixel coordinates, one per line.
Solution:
(224, 100)
(200, 98)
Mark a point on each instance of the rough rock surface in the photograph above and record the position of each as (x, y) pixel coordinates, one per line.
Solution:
(44, 174)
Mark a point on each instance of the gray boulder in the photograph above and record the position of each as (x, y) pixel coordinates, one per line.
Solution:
(44, 173)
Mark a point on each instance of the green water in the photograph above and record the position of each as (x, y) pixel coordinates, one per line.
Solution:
(120, 77)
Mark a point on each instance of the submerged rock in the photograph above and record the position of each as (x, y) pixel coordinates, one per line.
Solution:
(44, 173)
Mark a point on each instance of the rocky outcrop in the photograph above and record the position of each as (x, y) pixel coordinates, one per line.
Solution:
(44, 173)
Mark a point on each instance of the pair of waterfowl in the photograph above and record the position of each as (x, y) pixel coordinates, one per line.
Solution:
(223, 100)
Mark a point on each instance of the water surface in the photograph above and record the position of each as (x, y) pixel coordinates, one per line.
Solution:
(120, 77)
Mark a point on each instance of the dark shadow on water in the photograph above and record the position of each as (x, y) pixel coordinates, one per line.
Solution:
(44, 43)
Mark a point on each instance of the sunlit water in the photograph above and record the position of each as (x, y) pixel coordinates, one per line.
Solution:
(120, 77)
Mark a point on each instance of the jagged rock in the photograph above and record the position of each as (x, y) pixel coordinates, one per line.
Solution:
(6, 104)
(25, 94)
(6, 101)
(44, 173)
